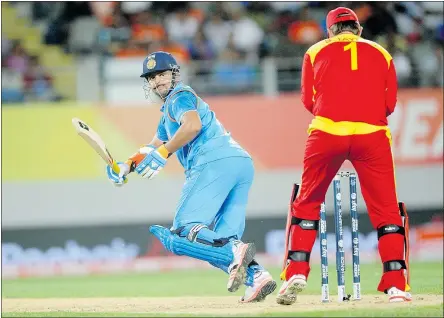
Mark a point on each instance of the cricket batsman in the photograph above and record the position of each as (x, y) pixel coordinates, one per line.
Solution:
(349, 85)
(219, 174)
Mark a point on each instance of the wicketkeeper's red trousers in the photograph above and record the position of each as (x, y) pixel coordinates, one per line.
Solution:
(372, 158)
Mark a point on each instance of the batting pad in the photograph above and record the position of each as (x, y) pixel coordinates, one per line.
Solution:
(182, 246)
(220, 266)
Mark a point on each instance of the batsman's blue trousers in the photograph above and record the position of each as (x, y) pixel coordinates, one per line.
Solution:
(217, 192)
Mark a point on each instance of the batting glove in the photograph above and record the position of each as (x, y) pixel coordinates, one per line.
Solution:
(154, 161)
(118, 179)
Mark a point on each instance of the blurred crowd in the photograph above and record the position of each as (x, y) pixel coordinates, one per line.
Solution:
(228, 33)
(23, 77)
(247, 31)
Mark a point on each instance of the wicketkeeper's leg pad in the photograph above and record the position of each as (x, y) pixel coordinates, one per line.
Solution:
(393, 249)
(301, 237)
(405, 222)
(197, 241)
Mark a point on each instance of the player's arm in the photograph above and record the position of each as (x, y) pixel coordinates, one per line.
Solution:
(391, 90)
(156, 142)
(307, 83)
(183, 110)
(190, 126)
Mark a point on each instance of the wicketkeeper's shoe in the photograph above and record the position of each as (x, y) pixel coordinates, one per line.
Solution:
(263, 285)
(243, 255)
(396, 295)
(289, 290)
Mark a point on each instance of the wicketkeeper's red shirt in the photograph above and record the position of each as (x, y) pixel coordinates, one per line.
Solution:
(348, 78)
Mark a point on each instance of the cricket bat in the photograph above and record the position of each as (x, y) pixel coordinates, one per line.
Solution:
(95, 141)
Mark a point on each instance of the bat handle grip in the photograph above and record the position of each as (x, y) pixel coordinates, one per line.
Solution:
(115, 167)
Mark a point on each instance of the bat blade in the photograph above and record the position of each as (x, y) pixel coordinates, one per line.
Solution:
(95, 141)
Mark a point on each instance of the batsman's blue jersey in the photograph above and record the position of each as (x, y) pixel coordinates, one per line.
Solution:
(212, 143)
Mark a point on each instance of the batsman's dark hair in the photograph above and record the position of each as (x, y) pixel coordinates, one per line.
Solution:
(350, 26)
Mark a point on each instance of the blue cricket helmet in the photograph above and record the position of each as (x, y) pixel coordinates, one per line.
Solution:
(158, 62)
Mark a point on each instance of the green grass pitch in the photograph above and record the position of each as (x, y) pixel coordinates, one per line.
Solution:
(200, 286)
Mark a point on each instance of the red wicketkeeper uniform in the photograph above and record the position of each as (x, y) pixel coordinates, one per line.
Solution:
(349, 85)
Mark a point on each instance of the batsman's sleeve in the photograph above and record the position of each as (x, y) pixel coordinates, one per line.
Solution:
(391, 91)
(307, 83)
(184, 102)
(161, 132)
